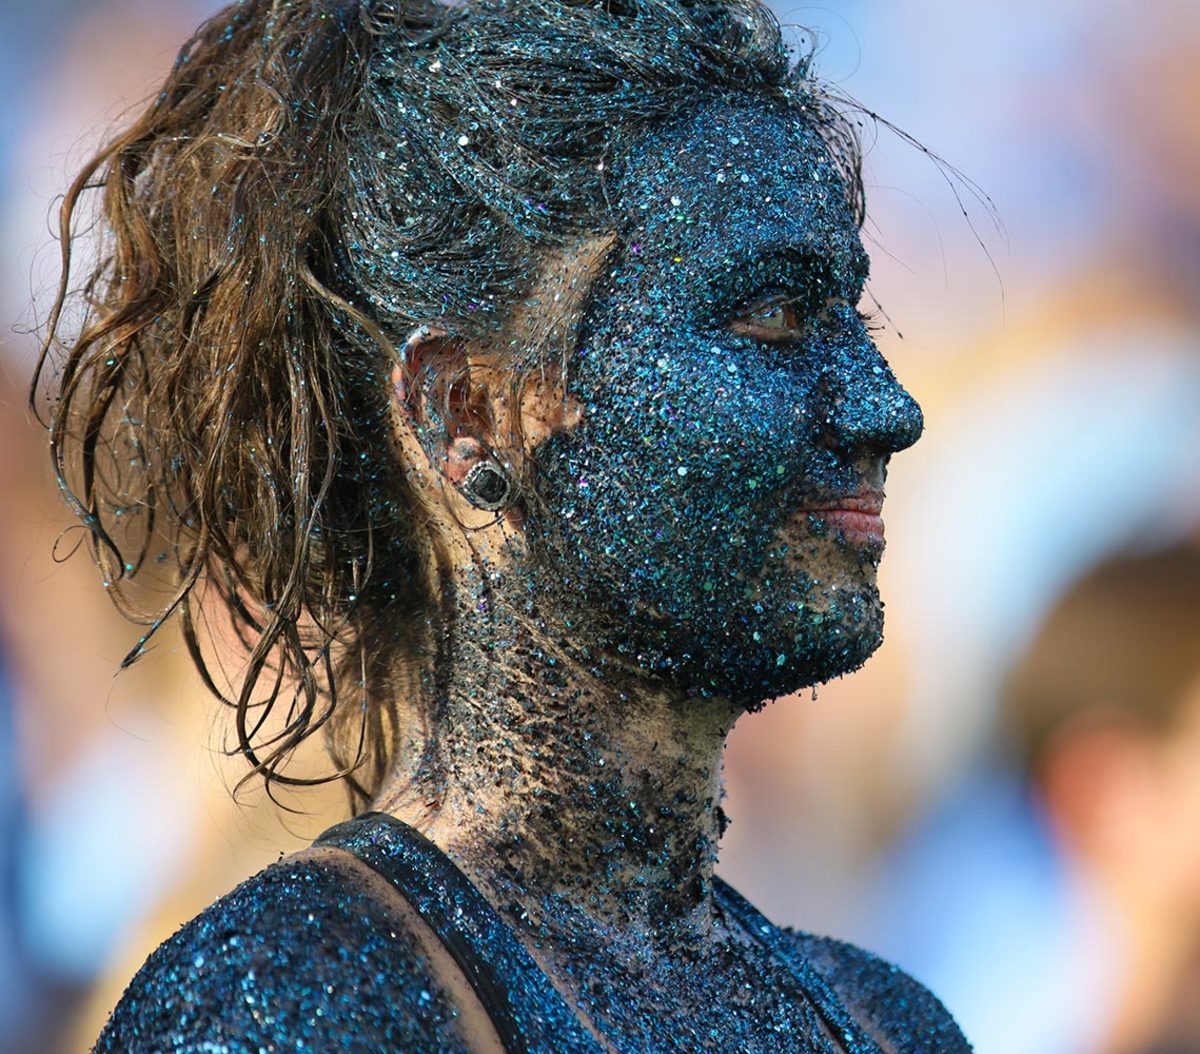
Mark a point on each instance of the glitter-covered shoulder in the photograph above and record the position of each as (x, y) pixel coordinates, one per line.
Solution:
(304, 956)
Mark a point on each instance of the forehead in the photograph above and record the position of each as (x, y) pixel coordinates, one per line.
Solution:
(735, 181)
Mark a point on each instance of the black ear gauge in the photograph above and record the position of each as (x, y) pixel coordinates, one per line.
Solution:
(488, 486)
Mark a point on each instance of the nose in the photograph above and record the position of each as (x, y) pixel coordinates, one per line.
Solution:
(867, 411)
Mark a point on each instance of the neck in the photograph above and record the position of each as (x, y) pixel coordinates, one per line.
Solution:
(573, 792)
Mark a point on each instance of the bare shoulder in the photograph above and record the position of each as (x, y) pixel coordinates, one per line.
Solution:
(308, 954)
(900, 1012)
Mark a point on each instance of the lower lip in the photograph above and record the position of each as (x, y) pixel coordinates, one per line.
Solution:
(858, 528)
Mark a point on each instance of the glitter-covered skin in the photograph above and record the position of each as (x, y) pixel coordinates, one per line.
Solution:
(677, 505)
(702, 535)
(665, 581)
(304, 957)
(316, 954)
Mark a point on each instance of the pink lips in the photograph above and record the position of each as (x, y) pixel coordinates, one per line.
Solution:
(857, 517)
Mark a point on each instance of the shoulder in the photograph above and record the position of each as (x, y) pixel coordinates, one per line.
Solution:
(305, 955)
(899, 1011)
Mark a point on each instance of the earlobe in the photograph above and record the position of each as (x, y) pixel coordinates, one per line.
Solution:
(488, 485)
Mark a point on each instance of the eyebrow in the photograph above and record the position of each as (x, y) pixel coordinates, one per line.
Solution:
(747, 267)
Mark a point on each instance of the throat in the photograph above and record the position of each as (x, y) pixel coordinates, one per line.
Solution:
(577, 795)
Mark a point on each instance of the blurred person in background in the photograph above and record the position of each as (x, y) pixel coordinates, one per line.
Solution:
(1103, 712)
(1071, 863)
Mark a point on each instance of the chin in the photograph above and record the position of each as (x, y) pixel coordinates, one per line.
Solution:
(839, 644)
(766, 652)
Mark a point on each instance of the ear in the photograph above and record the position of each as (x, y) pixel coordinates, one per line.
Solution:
(544, 407)
(441, 414)
(455, 404)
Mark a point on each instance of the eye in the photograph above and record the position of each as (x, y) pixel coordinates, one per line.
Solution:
(780, 318)
(772, 319)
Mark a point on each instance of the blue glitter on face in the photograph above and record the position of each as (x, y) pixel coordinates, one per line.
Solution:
(679, 498)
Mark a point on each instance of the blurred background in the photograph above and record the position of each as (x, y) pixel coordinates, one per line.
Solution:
(1006, 800)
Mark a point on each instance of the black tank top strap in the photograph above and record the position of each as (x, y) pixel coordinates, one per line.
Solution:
(529, 1014)
(825, 1001)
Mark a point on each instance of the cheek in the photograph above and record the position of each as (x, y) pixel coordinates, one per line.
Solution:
(688, 458)
(697, 426)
